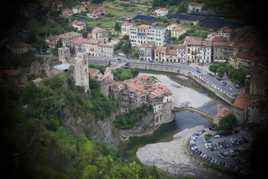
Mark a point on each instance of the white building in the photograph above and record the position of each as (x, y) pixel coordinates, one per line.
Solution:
(161, 12)
(142, 34)
(195, 8)
(79, 25)
(81, 74)
(181, 53)
(146, 52)
(197, 50)
(225, 33)
(92, 47)
(171, 54)
(125, 28)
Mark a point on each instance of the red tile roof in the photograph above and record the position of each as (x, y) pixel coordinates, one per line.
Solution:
(242, 101)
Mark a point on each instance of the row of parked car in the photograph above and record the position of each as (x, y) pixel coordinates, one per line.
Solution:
(220, 159)
(221, 86)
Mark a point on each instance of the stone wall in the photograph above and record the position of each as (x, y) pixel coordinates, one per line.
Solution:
(155, 67)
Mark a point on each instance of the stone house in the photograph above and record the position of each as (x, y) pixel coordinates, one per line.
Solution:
(101, 35)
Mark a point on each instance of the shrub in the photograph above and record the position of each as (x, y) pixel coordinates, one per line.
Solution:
(129, 120)
(124, 73)
(227, 123)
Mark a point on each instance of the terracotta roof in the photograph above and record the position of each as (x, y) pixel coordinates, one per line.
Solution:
(190, 40)
(172, 52)
(161, 49)
(69, 35)
(80, 40)
(143, 26)
(242, 101)
(98, 29)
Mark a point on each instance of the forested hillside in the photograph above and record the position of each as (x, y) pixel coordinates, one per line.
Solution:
(37, 144)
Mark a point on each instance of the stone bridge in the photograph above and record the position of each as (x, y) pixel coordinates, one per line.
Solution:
(194, 110)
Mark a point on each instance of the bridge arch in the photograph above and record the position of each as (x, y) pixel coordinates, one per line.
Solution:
(194, 110)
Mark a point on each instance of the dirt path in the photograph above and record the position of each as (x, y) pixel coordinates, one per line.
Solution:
(174, 157)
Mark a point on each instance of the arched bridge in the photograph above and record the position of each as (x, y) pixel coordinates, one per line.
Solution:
(194, 110)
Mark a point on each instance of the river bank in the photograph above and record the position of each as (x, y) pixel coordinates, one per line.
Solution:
(174, 158)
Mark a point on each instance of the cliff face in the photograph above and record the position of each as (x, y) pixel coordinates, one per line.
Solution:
(100, 131)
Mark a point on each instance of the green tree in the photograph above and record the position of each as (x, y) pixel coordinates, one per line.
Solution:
(117, 27)
(227, 123)
(221, 70)
(90, 172)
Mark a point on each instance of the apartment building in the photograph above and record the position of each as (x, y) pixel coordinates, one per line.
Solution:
(181, 53)
(92, 47)
(222, 51)
(170, 54)
(125, 27)
(146, 52)
(197, 50)
(141, 34)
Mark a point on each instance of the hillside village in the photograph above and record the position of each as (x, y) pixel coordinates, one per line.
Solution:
(92, 60)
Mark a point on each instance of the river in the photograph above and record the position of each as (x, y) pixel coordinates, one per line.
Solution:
(184, 95)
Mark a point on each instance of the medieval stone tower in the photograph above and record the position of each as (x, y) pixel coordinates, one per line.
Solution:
(81, 75)
(64, 54)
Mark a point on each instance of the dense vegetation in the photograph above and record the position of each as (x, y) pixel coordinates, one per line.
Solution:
(124, 73)
(38, 145)
(193, 31)
(236, 75)
(48, 100)
(227, 123)
(130, 119)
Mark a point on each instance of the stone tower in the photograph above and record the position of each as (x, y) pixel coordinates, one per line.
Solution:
(81, 74)
(64, 54)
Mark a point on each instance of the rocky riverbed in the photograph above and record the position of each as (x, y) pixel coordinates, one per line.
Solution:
(175, 158)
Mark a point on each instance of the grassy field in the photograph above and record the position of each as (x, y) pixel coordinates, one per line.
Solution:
(119, 10)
